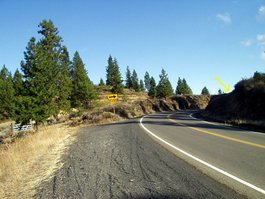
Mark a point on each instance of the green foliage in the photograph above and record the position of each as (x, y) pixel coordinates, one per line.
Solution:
(83, 91)
(47, 83)
(18, 83)
(147, 81)
(114, 76)
(135, 81)
(164, 88)
(6, 94)
(128, 81)
(142, 85)
(205, 91)
(64, 83)
(101, 82)
(152, 90)
(183, 88)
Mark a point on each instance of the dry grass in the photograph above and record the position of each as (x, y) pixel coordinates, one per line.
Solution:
(32, 159)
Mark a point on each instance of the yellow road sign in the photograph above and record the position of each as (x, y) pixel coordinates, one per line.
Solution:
(113, 101)
(113, 96)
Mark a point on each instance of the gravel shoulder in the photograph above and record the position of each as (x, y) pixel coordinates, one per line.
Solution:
(120, 161)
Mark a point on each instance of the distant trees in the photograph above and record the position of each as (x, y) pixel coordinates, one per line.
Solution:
(101, 82)
(128, 81)
(135, 81)
(83, 91)
(7, 94)
(164, 88)
(114, 76)
(142, 85)
(49, 82)
(183, 88)
(132, 81)
(152, 89)
(205, 91)
(147, 81)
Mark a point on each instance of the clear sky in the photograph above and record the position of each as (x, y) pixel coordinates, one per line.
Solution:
(190, 39)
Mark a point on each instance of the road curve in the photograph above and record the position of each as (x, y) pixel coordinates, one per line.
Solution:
(238, 152)
(121, 160)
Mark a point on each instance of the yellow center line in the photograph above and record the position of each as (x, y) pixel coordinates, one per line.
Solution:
(218, 135)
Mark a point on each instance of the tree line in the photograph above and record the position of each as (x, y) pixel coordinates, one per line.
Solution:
(50, 82)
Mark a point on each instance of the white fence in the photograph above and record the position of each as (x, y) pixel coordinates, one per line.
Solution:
(20, 128)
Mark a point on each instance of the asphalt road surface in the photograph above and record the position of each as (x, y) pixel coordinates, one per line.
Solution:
(123, 160)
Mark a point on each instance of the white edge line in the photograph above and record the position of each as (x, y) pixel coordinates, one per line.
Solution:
(203, 162)
(224, 125)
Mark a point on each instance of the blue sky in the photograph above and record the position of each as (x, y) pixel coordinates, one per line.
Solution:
(189, 39)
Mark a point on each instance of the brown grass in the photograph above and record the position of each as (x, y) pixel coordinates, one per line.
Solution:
(32, 159)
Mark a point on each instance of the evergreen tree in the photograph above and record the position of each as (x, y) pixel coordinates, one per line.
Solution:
(164, 88)
(114, 76)
(110, 72)
(101, 82)
(142, 85)
(205, 91)
(6, 94)
(152, 90)
(187, 89)
(18, 83)
(147, 81)
(64, 83)
(135, 81)
(183, 88)
(179, 88)
(83, 91)
(45, 76)
(128, 81)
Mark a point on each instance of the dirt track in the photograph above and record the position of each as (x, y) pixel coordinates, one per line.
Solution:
(121, 161)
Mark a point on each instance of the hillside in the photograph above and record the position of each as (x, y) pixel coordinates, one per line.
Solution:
(244, 106)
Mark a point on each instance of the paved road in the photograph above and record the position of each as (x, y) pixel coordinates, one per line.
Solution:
(239, 152)
(122, 160)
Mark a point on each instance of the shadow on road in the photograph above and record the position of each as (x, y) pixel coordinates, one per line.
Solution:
(182, 120)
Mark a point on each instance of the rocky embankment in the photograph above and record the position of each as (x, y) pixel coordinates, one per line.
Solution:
(138, 108)
(244, 106)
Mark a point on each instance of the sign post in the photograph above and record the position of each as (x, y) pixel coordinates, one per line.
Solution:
(113, 99)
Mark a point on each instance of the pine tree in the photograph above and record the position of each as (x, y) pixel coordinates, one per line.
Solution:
(45, 76)
(183, 88)
(83, 91)
(18, 83)
(179, 88)
(152, 90)
(205, 91)
(135, 81)
(187, 89)
(101, 82)
(142, 85)
(128, 81)
(164, 88)
(114, 76)
(147, 81)
(6, 94)
(110, 72)
(64, 83)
